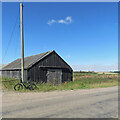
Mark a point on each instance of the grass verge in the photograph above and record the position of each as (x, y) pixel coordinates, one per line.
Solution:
(81, 81)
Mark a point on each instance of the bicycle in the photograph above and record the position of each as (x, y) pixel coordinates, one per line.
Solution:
(30, 86)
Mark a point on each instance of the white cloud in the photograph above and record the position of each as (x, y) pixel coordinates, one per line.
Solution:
(67, 20)
(62, 21)
(51, 22)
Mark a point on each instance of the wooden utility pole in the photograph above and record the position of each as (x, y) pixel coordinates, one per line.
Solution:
(22, 42)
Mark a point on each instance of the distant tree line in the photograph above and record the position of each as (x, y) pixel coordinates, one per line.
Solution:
(115, 71)
(84, 71)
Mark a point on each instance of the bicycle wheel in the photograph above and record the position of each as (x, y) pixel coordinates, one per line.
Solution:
(32, 86)
(18, 87)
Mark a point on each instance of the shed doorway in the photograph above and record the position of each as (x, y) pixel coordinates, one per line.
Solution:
(54, 76)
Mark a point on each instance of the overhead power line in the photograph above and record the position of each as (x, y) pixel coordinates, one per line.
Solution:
(11, 37)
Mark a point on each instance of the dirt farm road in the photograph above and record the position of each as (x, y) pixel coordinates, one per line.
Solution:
(93, 103)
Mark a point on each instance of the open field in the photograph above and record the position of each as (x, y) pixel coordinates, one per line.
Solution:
(81, 80)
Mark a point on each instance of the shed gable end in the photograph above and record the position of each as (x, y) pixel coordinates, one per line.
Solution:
(54, 60)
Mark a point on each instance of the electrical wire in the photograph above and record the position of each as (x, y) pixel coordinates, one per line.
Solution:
(10, 38)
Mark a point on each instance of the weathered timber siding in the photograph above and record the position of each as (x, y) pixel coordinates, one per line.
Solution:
(14, 74)
(37, 67)
(37, 73)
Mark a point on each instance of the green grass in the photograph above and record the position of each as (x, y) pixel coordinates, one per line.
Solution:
(5, 79)
(81, 73)
(81, 81)
(8, 85)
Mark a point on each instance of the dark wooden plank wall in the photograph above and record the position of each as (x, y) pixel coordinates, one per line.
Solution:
(37, 74)
(66, 76)
(11, 74)
(14, 74)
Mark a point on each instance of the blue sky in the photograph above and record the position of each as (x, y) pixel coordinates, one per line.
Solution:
(84, 34)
